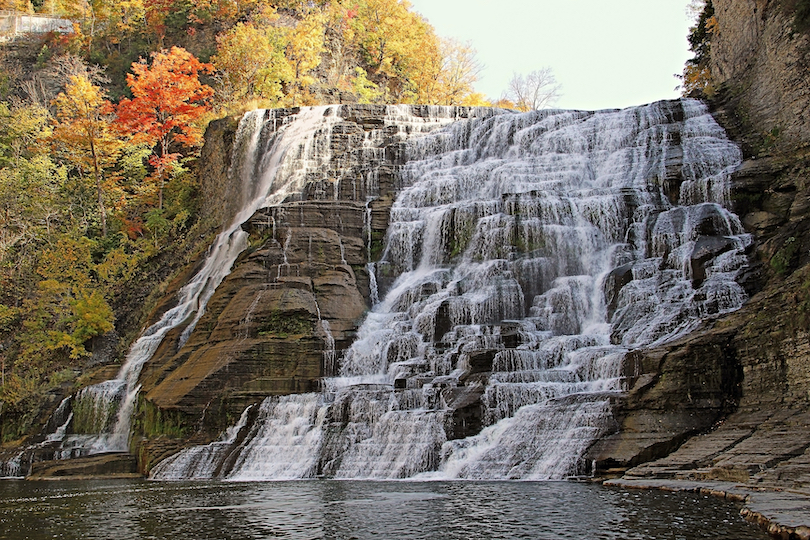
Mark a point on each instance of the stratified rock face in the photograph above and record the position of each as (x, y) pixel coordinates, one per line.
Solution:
(761, 61)
(759, 55)
(529, 263)
(297, 294)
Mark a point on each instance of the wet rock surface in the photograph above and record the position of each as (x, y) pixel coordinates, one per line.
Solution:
(296, 296)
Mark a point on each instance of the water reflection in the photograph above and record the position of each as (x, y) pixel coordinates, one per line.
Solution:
(359, 510)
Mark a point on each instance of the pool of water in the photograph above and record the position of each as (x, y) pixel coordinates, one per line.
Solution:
(137, 509)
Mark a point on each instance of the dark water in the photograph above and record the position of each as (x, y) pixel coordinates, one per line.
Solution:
(359, 510)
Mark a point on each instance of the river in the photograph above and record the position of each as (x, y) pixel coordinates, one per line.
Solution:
(333, 509)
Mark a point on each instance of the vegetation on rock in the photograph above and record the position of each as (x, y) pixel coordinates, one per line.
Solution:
(697, 74)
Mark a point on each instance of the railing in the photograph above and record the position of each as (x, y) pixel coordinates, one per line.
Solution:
(13, 24)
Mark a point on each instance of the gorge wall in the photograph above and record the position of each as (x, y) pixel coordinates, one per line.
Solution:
(759, 60)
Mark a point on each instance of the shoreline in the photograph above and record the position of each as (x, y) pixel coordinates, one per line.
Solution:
(783, 513)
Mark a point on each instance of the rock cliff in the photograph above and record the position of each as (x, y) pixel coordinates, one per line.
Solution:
(294, 298)
(760, 62)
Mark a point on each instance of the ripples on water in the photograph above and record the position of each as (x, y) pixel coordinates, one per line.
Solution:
(360, 510)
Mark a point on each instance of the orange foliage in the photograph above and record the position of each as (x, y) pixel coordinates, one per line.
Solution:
(168, 101)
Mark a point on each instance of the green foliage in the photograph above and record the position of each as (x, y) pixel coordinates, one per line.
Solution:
(152, 421)
(771, 138)
(285, 324)
(156, 223)
(133, 163)
(804, 302)
(801, 13)
(91, 317)
(782, 261)
(700, 35)
(43, 57)
(367, 91)
(696, 74)
(92, 415)
(9, 317)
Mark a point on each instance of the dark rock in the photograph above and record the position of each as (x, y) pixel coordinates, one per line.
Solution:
(98, 466)
(615, 280)
(481, 361)
(706, 248)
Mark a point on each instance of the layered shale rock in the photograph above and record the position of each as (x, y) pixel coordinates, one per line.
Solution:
(760, 60)
(296, 296)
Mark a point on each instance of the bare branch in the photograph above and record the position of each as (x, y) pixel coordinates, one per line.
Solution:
(536, 90)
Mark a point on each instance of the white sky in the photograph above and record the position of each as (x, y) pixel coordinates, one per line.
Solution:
(604, 53)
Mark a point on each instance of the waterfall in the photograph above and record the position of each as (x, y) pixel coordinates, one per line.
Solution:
(272, 157)
(531, 253)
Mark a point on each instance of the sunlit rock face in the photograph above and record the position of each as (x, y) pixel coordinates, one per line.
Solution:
(513, 264)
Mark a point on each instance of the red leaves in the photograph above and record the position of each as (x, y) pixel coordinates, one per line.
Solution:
(168, 99)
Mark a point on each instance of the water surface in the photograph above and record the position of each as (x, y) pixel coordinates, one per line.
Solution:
(328, 509)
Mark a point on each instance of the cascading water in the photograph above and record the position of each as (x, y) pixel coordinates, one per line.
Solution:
(272, 155)
(531, 252)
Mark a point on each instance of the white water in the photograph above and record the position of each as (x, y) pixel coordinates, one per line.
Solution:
(545, 239)
(271, 165)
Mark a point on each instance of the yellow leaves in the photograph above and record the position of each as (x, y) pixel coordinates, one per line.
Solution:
(305, 44)
(273, 59)
(67, 308)
(92, 316)
(475, 99)
(366, 91)
(452, 71)
(22, 130)
(119, 265)
(303, 51)
(69, 260)
(84, 134)
(84, 129)
(250, 61)
(9, 317)
(697, 78)
(128, 15)
(711, 24)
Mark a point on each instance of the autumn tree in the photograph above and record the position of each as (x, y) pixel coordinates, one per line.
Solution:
(168, 102)
(339, 44)
(303, 51)
(85, 136)
(534, 91)
(113, 19)
(459, 71)
(393, 42)
(697, 75)
(30, 182)
(67, 308)
(250, 61)
(16, 5)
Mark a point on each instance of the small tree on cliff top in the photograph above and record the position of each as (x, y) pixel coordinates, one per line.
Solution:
(536, 90)
(168, 102)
